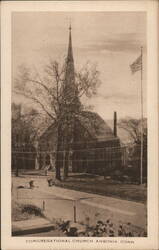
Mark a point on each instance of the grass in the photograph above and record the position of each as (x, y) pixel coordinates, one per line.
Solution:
(97, 185)
(92, 184)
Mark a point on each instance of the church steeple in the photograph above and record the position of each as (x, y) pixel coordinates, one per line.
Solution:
(70, 74)
(70, 52)
(70, 89)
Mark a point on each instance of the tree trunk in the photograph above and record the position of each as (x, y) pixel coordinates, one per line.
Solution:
(57, 163)
(17, 172)
(57, 167)
(17, 166)
(66, 164)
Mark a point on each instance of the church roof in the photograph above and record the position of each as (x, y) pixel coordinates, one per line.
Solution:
(95, 125)
(91, 121)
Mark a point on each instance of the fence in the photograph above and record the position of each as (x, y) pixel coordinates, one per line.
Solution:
(89, 159)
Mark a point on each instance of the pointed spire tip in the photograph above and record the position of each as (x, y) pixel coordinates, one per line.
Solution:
(70, 28)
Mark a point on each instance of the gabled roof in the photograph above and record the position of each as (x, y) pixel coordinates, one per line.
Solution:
(95, 125)
(92, 122)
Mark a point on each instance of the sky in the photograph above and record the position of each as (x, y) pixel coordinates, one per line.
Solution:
(112, 40)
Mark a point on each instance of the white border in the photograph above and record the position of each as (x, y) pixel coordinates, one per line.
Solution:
(151, 7)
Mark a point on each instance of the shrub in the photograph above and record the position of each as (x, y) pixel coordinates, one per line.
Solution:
(32, 210)
(104, 229)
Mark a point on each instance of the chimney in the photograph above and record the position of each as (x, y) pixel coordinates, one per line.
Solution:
(115, 123)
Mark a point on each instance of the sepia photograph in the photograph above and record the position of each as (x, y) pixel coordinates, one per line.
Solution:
(79, 125)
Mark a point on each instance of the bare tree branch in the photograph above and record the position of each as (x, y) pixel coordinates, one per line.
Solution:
(36, 101)
(132, 126)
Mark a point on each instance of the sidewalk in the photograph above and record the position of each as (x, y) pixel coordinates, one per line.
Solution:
(59, 203)
(132, 211)
(31, 226)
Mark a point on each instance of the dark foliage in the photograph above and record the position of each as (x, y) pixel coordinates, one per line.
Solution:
(103, 229)
(32, 209)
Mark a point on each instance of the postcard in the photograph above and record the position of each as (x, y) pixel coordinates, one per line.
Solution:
(79, 125)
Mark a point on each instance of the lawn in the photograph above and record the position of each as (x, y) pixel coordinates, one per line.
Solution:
(86, 183)
(97, 185)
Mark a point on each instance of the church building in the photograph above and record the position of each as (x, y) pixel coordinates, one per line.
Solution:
(88, 144)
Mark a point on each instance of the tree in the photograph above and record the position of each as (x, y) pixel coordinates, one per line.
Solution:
(23, 134)
(133, 128)
(56, 99)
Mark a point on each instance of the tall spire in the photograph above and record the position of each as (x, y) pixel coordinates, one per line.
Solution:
(70, 74)
(70, 51)
(70, 88)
